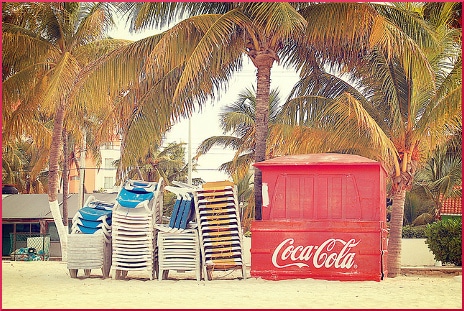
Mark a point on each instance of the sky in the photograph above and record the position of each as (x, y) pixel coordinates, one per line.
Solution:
(205, 123)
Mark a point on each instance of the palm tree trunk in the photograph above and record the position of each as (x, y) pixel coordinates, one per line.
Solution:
(396, 229)
(53, 179)
(262, 116)
(121, 171)
(139, 173)
(64, 177)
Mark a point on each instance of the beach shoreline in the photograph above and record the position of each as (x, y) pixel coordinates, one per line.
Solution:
(47, 284)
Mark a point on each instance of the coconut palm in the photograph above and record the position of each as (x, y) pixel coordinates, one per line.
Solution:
(438, 180)
(167, 163)
(23, 165)
(207, 47)
(193, 60)
(47, 49)
(238, 119)
(245, 199)
(441, 177)
(396, 110)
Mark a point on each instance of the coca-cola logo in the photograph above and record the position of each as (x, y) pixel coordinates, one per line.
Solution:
(325, 255)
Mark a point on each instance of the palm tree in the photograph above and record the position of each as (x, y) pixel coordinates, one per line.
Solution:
(167, 163)
(238, 119)
(47, 49)
(441, 177)
(204, 49)
(23, 165)
(396, 110)
(245, 199)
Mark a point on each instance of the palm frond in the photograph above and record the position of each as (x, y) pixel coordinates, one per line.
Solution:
(338, 37)
(61, 80)
(90, 52)
(96, 20)
(144, 15)
(225, 141)
(443, 115)
(240, 165)
(206, 61)
(274, 22)
(410, 20)
(21, 48)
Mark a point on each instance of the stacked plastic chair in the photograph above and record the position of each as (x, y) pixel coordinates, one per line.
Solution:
(89, 244)
(180, 252)
(138, 208)
(178, 240)
(94, 217)
(220, 232)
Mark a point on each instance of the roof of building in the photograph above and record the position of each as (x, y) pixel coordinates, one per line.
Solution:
(317, 159)
(36, 206)
(452, 206)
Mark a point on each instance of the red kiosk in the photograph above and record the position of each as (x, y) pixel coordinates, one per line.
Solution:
(323, 217)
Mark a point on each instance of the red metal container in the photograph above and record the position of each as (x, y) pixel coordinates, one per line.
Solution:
(324, 216)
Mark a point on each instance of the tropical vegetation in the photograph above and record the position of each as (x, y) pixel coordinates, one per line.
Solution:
(444, 239)
(22, 166)
(441, 176)
(237, 121)
(400, 96)
(47, 51)
(238, 124)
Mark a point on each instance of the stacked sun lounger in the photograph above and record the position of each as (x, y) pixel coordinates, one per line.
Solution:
(179, 251)
(89, 243)
(178, 241)
(94, 217)
(183, 211)
(138, 207)
(219, 228)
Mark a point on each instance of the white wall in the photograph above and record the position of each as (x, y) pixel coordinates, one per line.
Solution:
(104, 171)
(414, 252)
(246, 251)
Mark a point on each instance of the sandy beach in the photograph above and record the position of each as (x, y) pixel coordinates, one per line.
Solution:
(47, 284)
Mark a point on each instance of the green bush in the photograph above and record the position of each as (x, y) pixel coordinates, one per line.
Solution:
(413, 232)
(444, 239)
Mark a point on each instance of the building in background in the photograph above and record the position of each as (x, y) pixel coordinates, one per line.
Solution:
(96, 179)
(28, 223)
(451, 208)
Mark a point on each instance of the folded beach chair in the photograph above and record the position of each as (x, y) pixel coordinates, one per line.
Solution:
(175, 210)
(178, 241)
(183, 211)
(89, 243)
(138, 208)
(87, 252)
(94, 217)
(136, 193)
(220, 232)
(179, 251)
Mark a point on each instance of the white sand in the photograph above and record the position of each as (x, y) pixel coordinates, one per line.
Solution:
(28, 285)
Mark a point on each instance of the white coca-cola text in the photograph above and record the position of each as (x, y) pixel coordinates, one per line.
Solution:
(323, 255)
